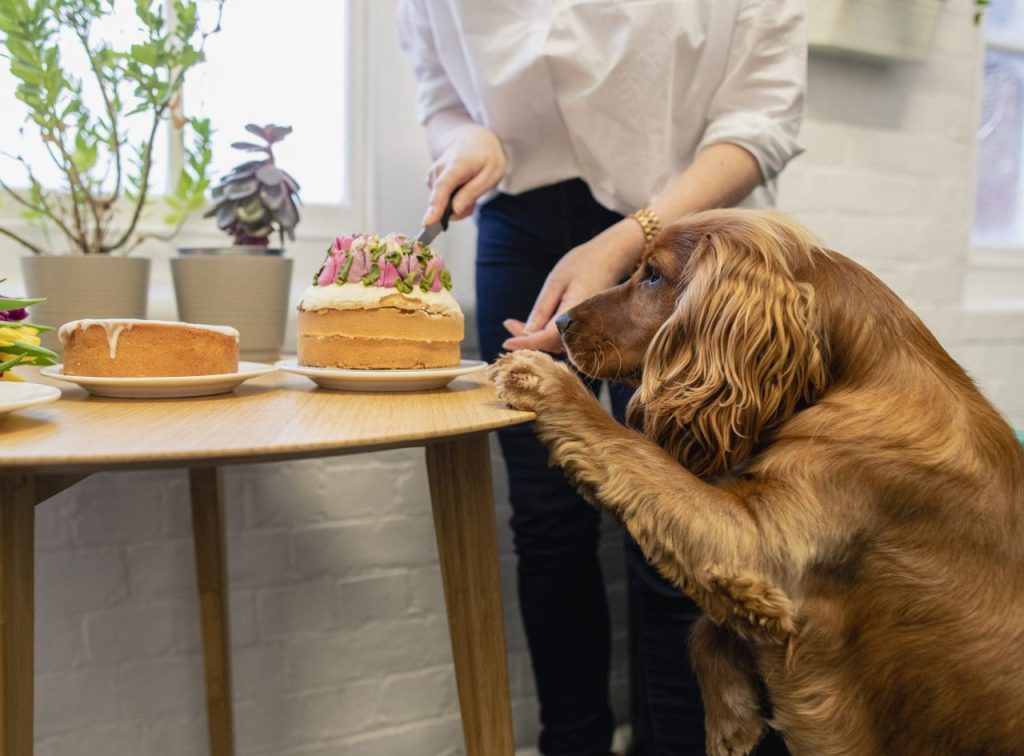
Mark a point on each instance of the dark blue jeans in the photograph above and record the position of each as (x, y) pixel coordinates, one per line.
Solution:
(561, 588)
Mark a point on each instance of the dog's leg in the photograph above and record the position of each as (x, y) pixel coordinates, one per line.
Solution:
(726, 674)
(682, 524)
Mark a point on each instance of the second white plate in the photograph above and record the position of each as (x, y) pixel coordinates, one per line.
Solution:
(174, 387)
(16, 395)
(341, 379)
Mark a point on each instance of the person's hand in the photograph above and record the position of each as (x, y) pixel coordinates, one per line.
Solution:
(474, 161)
(583, 272)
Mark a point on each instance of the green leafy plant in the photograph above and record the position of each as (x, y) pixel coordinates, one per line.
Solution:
(979, 10)
(256, 198)
(105, 169)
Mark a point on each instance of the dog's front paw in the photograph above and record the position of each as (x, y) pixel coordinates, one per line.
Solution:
(520, 377)
(733, 736)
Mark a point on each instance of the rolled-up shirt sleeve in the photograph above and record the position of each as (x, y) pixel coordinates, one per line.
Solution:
(759, 104)
(434, 90)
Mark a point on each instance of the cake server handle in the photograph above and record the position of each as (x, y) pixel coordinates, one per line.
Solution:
(428, 233)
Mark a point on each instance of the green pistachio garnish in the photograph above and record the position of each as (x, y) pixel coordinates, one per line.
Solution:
(403, 287)
(395, 258)
(316, 276)
(343, 271)
(428, 280)
(446, 279)
(371, 277)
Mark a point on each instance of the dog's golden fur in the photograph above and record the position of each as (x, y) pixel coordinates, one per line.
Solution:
(819, 474)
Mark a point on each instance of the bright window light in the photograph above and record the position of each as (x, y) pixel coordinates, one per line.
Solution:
(283, 62)
(999, 205)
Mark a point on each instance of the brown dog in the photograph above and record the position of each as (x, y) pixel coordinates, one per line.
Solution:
(819, 474)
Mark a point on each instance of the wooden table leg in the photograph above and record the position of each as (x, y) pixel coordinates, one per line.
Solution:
(17, 612)
(208, 538)
(463, 501)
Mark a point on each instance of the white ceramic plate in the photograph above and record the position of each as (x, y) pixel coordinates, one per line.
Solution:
(174, 387)
(381, 380)
(18, 395)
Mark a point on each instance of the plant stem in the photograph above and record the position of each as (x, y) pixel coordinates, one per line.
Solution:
(45, 209)
(21, 241)
(140, 201)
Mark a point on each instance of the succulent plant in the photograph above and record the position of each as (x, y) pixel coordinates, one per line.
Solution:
(256, 198)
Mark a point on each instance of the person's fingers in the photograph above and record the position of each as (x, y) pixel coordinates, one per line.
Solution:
(547, 302)
(547, 340)
(515, 327)
(471, 191)
(453, 176)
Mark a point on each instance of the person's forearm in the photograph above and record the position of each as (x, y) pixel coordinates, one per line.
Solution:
(443, 128)
(720, 176)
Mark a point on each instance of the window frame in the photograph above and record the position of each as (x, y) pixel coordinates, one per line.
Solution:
(1004, 258)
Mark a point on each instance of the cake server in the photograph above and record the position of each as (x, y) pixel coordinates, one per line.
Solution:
(428, 233)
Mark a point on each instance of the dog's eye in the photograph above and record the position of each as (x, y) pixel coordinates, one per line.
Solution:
(652, 277)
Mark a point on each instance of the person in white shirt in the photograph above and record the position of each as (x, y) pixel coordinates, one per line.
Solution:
(574, 130)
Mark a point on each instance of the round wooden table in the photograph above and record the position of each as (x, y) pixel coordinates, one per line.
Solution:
(276, 417)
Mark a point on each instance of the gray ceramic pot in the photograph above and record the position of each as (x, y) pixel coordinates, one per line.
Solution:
(85, 286)
(246, 290)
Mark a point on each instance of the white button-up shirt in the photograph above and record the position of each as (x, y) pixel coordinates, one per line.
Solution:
(620, 93)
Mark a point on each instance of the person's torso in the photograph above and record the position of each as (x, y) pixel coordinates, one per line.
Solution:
(612, 91)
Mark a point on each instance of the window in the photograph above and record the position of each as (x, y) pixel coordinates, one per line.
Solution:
(283, 62)
(999, 204)
(274, 61)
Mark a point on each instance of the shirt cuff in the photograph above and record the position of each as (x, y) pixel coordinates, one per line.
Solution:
(772, 142)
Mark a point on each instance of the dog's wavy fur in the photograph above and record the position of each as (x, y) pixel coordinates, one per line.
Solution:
(819, 474)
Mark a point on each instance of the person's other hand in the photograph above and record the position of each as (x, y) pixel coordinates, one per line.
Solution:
(474, 161)
(584, 271)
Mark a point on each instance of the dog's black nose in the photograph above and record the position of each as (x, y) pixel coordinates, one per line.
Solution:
(563, 322)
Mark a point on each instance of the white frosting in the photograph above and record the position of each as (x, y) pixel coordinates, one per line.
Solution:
(114, 328)
(357, 296)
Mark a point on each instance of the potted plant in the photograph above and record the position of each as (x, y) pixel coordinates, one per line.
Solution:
(254, 202)
(96, 216)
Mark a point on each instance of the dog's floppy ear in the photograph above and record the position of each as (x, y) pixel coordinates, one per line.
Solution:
(743, 349)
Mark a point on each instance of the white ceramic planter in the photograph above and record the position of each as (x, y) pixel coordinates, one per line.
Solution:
(896, 30)
(248, 292)
(85, 286)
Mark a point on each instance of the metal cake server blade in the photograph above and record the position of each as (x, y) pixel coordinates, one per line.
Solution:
(428, 233)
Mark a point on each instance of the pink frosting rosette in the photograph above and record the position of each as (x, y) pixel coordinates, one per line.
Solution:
(391, 261)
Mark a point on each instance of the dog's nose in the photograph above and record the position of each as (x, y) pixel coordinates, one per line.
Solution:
(563, 321)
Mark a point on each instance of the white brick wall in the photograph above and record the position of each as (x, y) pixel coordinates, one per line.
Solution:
(339, 640)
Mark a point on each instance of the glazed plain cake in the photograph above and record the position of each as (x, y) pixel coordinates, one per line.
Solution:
(147, 348)
(380, 303)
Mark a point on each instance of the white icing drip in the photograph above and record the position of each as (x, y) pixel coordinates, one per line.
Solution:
(356, 296)
(115, 327)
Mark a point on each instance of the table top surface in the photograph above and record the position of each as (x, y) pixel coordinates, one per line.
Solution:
(276, 416)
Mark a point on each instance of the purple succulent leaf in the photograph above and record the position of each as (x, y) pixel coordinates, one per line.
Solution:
(244, 170)
(226, 215)
(271, 174)
(287, 216)
(241, 189)
(256, 129)
(273, 196)
(249, 147)
(275, 134)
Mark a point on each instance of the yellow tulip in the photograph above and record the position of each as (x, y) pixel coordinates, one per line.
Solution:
(10, 376)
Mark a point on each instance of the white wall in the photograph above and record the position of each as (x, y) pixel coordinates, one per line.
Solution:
(338, 634)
